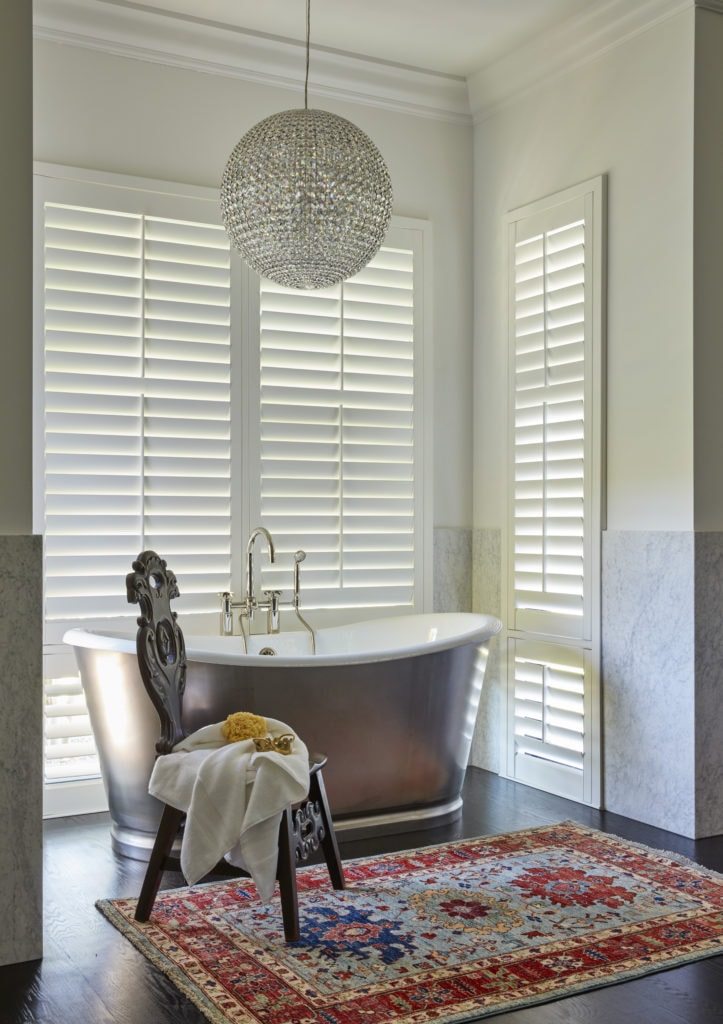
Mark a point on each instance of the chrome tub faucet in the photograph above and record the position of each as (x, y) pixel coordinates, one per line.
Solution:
(271, 601)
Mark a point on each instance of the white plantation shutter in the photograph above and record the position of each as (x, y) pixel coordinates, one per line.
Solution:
(552, 687)
(340, 401)
(549, 520)
(70, 751)
(137, 406)
(187, 415)
(555, 492)
(133, 362)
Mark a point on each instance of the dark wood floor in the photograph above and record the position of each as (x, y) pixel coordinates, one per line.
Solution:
(91, 975)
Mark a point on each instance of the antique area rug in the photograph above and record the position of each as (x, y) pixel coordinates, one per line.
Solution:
(446, 933)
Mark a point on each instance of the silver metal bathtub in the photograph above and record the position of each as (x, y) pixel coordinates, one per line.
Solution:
(392, 703)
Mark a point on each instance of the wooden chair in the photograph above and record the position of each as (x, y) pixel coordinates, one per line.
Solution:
(162, 661)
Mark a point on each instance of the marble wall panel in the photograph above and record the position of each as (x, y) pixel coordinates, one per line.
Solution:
(648, 655)
(452, 569)
(21, 749)
(709, 683)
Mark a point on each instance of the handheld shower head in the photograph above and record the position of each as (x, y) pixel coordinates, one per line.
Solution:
(299, 557)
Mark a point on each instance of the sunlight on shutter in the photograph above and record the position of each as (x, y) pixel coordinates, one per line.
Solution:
(337, 433)
(93, 359)
(549, 428)
(137, 406)
(70, 751)
(187, 412)
(549, 715)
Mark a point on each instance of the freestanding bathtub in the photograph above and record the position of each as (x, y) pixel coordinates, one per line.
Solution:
(391, 702)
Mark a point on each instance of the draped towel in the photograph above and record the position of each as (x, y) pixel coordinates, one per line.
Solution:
(233, 796)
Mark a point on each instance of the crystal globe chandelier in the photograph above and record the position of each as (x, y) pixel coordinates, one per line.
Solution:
(306, 196)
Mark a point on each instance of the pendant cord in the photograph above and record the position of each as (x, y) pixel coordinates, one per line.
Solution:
(308, 33)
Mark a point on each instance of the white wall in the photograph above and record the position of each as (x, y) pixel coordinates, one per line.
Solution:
(116, 114)
(16, 278)
(628, 114)
(708, 283)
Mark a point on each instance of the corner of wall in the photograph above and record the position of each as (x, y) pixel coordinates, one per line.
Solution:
(21, 749)
(487, 583)
(708, 684)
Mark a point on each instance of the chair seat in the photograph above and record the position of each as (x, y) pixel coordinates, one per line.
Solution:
(303, 829)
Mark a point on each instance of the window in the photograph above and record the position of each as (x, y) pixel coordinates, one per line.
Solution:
(172, 414)
(339, 422)
(555, 450)
(137, 398)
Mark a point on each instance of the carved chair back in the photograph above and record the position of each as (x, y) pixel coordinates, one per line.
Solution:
(159, 643)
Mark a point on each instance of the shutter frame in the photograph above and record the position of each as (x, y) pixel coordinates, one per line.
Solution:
(158, 299)
(555, 491)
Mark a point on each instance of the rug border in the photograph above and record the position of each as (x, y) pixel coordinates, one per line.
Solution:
(144, 946)
(138, 939)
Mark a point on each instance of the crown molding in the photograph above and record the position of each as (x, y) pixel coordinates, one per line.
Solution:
(568, 45)
(139, 31)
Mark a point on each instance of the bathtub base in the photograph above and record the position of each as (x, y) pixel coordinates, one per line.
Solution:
(137, 844)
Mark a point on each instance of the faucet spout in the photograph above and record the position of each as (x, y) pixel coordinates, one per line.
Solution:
(259, 531)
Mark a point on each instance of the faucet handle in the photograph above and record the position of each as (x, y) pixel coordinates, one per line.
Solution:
(226, 616)
(273, 617)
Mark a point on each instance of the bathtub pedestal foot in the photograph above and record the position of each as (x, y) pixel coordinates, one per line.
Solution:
(133, 843)
(137, 844)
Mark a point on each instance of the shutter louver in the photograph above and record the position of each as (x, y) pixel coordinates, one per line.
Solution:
(187, 434)
(549, 430)
(337, 433)
(93, 413)
(549, 715)
(137, 406)
(70, 751)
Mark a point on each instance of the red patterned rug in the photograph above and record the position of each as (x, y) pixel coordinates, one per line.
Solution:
(446, 933)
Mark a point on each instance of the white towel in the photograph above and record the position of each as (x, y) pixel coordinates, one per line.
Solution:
(233, 796)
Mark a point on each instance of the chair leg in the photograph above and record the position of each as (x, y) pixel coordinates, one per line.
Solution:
(167, 831)
(286, 874)
(329, 845)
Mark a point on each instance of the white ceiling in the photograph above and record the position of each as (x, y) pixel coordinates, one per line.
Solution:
(451, 37)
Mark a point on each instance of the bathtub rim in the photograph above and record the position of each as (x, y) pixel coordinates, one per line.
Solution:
(473, 627)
